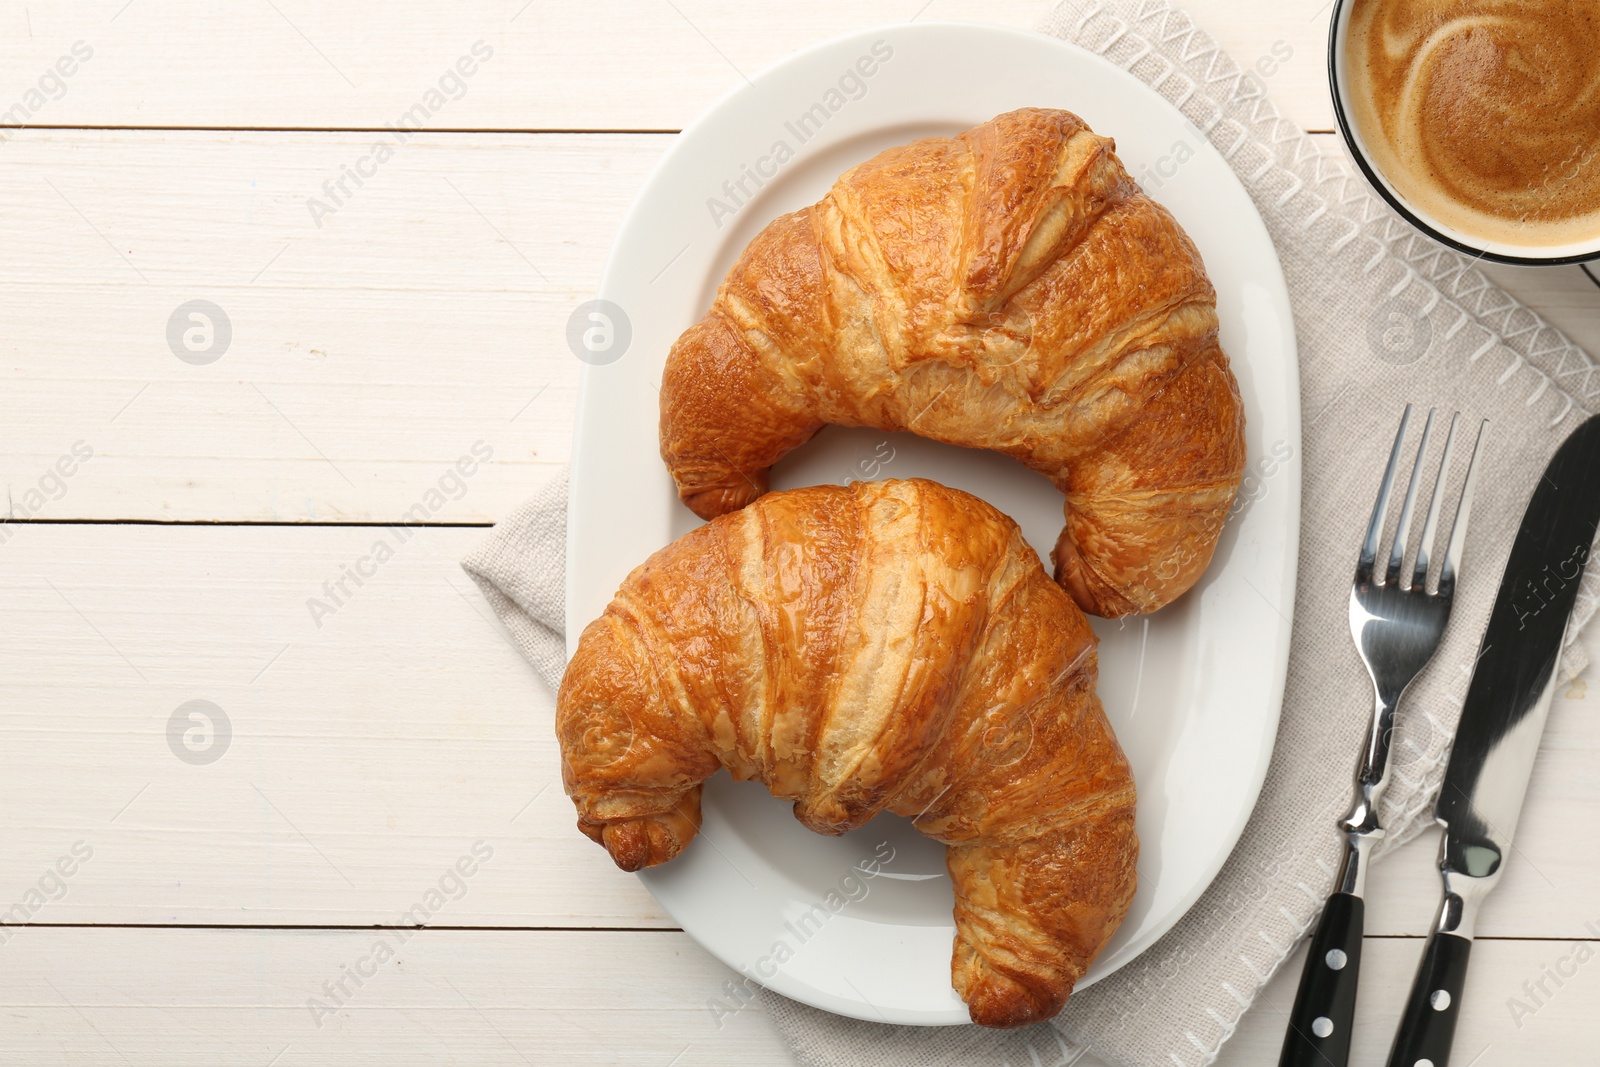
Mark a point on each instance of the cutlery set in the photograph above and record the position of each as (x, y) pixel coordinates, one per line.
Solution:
(1397, 626)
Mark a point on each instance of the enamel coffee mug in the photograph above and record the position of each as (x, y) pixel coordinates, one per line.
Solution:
(1469, 109)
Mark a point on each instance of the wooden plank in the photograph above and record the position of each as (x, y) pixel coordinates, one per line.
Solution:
(201, 997)
(375, 739)
(604, 64)
(366, 356)
(428, 313)
(366, 754)
(197, 998)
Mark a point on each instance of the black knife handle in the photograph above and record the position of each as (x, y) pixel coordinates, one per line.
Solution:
(1325, 1007)
(1428, 1025)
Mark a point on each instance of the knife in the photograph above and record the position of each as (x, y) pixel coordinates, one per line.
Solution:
(1498, 737)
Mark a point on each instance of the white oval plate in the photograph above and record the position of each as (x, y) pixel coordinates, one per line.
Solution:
(1193, 691)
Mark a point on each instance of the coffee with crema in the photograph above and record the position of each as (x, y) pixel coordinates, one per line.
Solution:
(1484, 114)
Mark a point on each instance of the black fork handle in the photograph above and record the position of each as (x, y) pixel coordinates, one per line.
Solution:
(1325, 1006)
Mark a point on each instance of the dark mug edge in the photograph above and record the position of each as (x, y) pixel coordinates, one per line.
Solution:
(1370, 173)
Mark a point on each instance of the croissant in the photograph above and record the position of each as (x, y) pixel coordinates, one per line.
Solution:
(1009, 289)
(890, 646)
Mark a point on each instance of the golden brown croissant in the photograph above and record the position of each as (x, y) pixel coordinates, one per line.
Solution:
(1010, 289)
(891, 646)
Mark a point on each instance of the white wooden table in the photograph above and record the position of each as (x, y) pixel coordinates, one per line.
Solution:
(176, 911)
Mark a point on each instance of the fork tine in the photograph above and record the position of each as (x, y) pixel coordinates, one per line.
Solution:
(1430, 525)
(1458, 530)
(1369, 546)
(1402, 530)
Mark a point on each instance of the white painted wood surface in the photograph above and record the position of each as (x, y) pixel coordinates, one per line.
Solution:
(597, 65)
(367, 354)
(572, 998)
(371, 752)
(371, 745)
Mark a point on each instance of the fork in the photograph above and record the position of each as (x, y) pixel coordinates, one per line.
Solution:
(1397, 628)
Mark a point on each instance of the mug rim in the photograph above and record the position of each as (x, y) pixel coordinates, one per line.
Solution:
(1337, 27)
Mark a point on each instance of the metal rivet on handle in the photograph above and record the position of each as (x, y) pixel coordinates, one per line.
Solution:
(1322, 1026)
(1440, 999)
(1336, 959)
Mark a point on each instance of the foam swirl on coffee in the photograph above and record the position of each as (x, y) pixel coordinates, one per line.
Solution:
(1484, 114)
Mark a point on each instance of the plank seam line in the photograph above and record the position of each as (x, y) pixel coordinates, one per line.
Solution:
(360, 928)
(369, 523)
(535, 130)
(353, 928)
(531, 130)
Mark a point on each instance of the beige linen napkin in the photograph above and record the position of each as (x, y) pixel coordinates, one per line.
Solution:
(1382, 316)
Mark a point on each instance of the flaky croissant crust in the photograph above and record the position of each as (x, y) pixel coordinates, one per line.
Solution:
(892, 646)
(1010, 289)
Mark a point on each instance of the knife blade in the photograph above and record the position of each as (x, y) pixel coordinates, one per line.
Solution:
(1502, 719)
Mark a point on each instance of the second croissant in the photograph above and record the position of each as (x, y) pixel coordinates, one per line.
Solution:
(894, 646)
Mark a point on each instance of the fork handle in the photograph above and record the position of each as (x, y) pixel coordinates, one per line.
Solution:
(1325, 1005)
